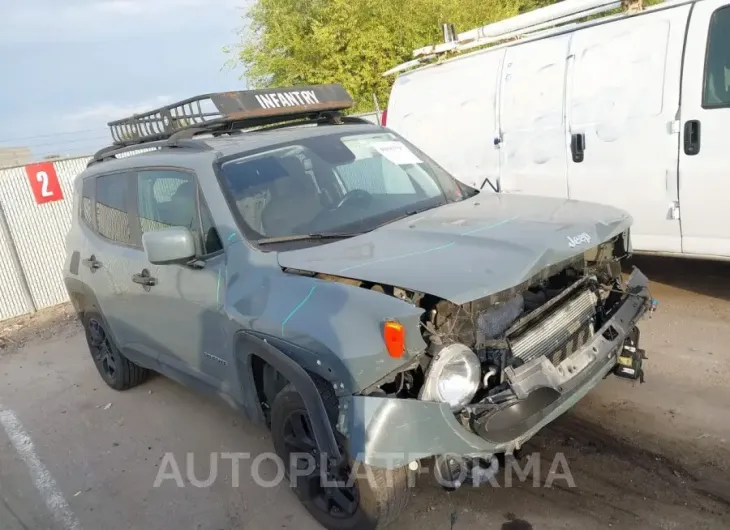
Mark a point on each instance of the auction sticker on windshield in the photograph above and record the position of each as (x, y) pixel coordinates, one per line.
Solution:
(397, 153)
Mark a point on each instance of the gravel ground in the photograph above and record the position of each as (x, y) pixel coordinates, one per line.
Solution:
(641, 456)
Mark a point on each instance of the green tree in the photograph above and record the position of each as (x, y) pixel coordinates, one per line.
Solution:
(289, 42)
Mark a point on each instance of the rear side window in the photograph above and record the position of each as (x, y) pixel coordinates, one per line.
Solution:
(717, 64)
(112, 216)
(87, 202)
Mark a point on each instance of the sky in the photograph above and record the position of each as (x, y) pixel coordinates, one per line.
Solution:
(67, 67)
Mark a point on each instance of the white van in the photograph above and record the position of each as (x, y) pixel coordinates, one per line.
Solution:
(629, 110)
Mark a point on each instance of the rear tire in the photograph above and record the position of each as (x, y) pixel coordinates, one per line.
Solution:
(372, 500)
(115, 369)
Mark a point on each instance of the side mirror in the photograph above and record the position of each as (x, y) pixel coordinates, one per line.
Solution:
(170, 245)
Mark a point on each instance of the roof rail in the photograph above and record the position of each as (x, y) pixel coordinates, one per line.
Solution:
(229, 111)
(527, 24)
(111, 152)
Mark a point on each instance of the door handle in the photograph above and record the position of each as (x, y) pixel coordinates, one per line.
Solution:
(692, 137)
(144, 278)
(92, 263)
(578, 147)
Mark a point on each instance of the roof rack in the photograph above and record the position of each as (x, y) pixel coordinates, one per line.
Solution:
(229, 111)
(529, 24)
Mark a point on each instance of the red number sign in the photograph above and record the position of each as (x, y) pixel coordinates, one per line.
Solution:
(44, 182)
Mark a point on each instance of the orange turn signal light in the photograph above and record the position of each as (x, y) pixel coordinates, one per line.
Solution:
(395, 338)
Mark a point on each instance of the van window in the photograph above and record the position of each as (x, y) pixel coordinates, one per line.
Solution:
(112, 217)
(717, 64)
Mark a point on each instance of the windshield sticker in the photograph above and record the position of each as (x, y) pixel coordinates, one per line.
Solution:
(397, 153)
(361, 148)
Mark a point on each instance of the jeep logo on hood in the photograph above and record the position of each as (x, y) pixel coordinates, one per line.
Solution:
(577, 240)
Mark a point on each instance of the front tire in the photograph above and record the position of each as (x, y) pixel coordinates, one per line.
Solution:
(115, 369)
(370, 500)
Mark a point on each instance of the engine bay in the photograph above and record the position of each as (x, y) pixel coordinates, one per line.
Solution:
(549, 317)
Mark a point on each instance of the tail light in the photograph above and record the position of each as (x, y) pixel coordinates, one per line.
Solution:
(384, 117)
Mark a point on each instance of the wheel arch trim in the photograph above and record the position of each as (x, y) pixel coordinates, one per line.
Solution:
(247, 346)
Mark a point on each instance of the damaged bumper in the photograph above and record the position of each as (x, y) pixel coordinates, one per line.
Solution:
(390, 432)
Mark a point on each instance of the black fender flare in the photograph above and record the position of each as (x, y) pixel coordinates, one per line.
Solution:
(248, 345)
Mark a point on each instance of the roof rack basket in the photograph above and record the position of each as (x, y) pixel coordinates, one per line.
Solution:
(228, 111)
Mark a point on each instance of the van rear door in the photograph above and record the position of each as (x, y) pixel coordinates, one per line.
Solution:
(533, 158)
(448, 111)
(704, 160)
(623, 96)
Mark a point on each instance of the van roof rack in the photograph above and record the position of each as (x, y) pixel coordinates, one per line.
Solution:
(530, 24)
(229, 111)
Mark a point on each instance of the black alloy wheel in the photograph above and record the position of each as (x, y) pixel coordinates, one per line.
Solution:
(115, 369)
(331, 491)
(102, 351)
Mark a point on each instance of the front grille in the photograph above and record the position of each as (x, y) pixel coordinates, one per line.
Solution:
(561, 332)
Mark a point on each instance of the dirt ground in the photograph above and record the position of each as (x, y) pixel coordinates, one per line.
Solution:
(641, 456)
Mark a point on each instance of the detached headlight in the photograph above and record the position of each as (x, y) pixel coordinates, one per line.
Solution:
(453, 377)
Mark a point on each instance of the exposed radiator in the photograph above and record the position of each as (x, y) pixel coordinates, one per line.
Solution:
(570, 323)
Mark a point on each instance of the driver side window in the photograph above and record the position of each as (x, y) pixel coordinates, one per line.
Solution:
(167, 198)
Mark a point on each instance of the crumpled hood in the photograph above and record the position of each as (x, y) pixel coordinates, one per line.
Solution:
(470, 249)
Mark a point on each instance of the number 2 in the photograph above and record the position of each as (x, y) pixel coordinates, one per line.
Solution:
(42, 177)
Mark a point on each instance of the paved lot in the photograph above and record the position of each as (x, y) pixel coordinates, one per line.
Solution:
(642, 456)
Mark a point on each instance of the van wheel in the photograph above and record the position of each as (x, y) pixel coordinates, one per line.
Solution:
(115, 369)
(352, 497)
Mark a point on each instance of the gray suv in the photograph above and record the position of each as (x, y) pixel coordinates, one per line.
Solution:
(325, 277)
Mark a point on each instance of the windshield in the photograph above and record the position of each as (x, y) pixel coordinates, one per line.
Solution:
(334, 183)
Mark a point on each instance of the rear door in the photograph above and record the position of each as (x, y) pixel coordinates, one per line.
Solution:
(110, 258)
(623, 97)
(533, 158)
(449, 111)
(704, 160)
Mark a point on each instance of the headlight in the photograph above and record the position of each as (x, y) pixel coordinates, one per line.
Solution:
(453, 377)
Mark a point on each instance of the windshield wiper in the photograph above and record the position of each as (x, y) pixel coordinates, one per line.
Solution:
(305, 237)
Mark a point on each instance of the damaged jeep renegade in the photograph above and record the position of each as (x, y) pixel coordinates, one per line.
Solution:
(326, 278)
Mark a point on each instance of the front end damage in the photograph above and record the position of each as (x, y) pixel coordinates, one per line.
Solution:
(541, 346)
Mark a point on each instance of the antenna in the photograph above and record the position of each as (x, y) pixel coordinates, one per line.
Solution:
(527, 24)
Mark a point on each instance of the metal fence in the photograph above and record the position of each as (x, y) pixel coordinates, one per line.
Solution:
(35, 234)
(32, 238)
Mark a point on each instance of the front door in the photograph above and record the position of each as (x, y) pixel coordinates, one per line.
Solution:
(181, 316)
(704, 160)
(622, 142)
(532, 125)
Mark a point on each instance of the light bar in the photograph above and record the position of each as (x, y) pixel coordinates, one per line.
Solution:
(230, 110)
